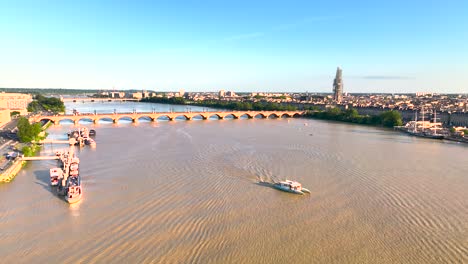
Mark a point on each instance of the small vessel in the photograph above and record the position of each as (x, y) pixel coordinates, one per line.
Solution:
(73, 166)
(92, 132)
(55, 175)
(90, 142)
(290, 186)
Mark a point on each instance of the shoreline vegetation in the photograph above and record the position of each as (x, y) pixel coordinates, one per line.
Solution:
(241, 106)
(29, 134)
(388, 119)
(42, 103)
(385, 119)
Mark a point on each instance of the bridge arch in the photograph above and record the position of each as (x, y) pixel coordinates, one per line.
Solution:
(163, 118)
(125, 118)
(245, 115)
(296, 115)
(61, 120)
(198, 117)
(105, 118)
(273, 115)
(231, 116)
(45, 120)
(215, 115)
(182, 117)
(260, 115)
(84, 118)
(145, 117)
(285, 115)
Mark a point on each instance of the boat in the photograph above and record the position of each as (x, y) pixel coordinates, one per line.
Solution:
(55, 175)
(90, 142)
(290, 186)
(73, 192)
(423, 128)
(92, 132)
(73, 166)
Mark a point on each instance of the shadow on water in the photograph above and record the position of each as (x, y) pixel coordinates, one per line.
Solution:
(43, 179)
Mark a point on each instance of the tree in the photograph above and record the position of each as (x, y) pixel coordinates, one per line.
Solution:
(391, 118)
(27, 132)
(46, 103)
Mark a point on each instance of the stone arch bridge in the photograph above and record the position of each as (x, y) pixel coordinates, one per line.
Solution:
(55, 119)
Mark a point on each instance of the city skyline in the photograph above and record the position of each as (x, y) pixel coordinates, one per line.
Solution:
(264, 46)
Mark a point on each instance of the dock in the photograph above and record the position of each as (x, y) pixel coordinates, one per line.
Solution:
(41, 158)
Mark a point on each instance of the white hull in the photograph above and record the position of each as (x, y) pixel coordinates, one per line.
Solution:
(287, 189)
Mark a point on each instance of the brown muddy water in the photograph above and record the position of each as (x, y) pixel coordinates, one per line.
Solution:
(187, 192)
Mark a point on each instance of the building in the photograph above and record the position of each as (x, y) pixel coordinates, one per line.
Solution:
(137, 95)
(4, 117)
(338, 86)
(117, 94)
(221, 93)
(15, 102)
(230, 94)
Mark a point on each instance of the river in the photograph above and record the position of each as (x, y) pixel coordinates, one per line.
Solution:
(187, 192)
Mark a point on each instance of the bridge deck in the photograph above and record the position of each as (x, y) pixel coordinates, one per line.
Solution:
(171, 115)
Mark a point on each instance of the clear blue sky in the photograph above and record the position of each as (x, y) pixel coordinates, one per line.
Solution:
(382, 46)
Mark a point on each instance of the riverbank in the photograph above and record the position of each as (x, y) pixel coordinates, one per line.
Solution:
(10, 173)
(385, 119)
(29, 150)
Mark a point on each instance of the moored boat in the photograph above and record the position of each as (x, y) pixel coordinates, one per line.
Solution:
(73, 191)
(90, 142)
(290, 186)
(55, 175)
(73, 166)
(74, 194)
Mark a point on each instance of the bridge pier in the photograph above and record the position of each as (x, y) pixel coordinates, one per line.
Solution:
(135, 120)
(114, 121)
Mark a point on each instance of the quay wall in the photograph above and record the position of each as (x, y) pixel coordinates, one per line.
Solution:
(452, 119)
(9, 174)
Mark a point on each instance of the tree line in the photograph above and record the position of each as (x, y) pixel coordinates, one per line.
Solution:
(387, 119)
(230, 105)
(42, 103)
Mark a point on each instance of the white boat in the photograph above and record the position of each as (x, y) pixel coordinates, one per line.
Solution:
(55, 175)
(290, 186)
